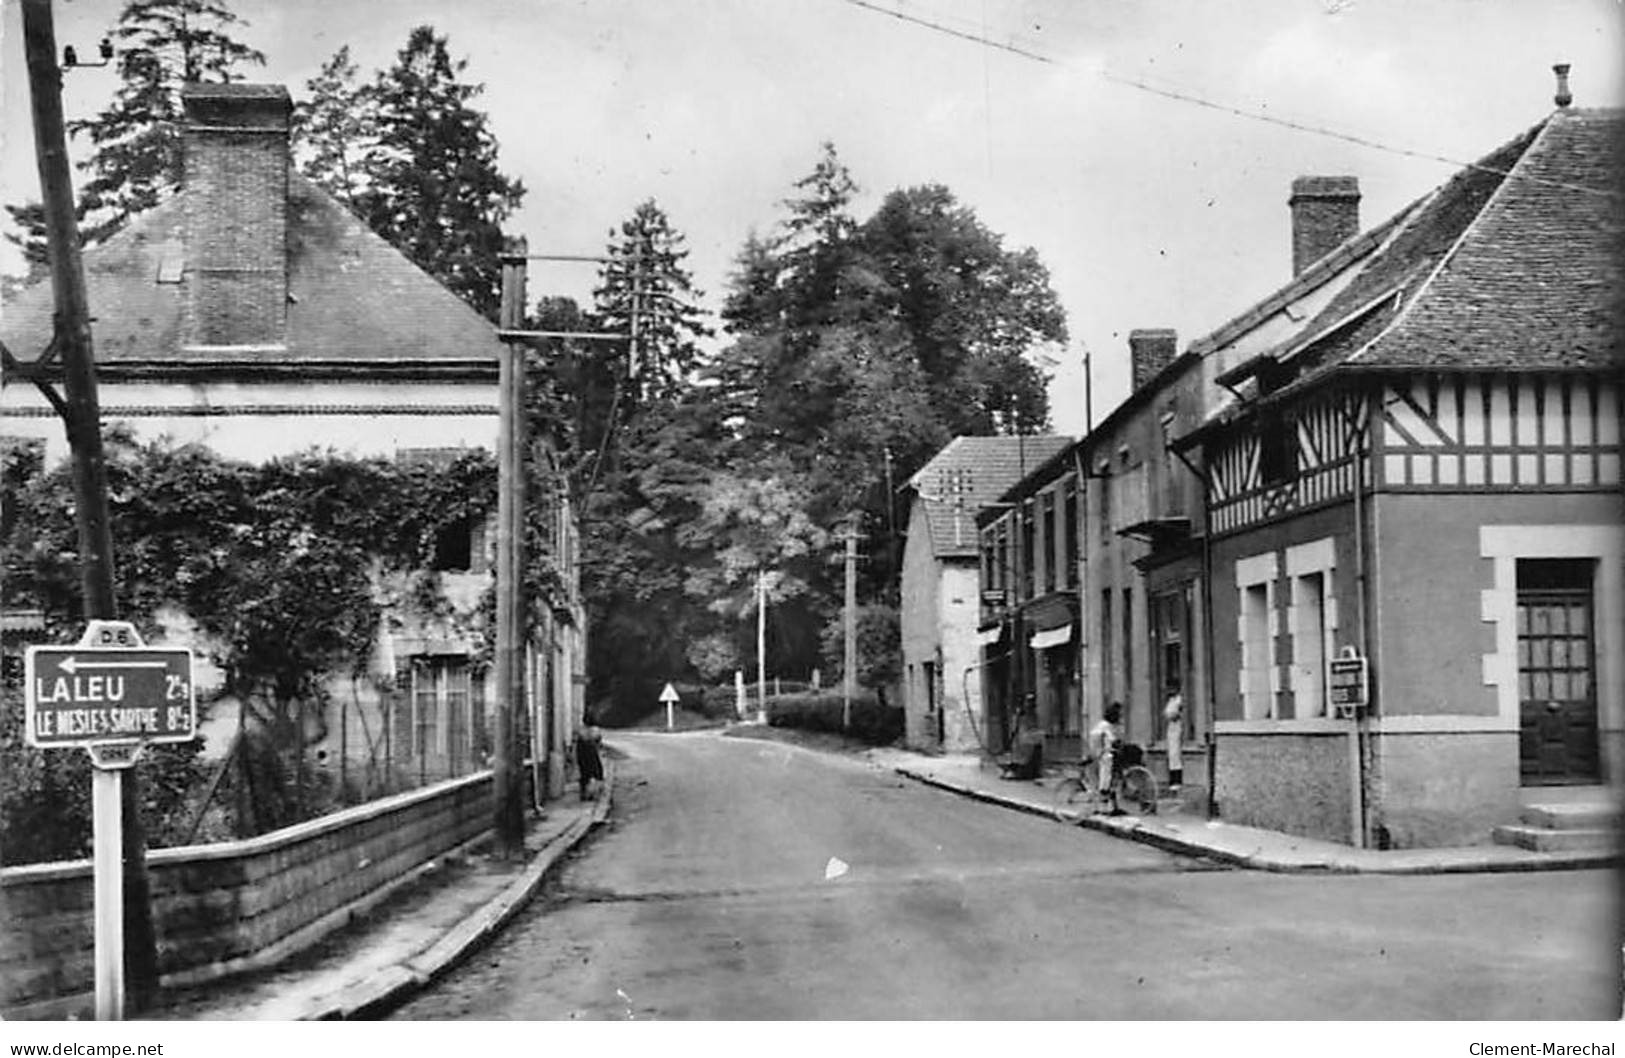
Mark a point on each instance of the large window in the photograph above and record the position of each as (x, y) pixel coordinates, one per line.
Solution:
(1069, 553)
(1050, 536)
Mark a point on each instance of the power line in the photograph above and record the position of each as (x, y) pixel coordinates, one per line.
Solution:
(1196, 100)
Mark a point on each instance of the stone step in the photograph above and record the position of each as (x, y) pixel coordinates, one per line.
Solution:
(1547, 839)
(1578, 816)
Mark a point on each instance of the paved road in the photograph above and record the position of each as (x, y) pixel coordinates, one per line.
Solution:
(749, 880)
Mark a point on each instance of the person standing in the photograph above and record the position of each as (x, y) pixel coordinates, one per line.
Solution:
(1173, 715)
(589, 760)
(1104, 738)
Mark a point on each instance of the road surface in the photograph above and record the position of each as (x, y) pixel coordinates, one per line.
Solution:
(742, 879)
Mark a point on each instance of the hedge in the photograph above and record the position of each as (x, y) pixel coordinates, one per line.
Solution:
(872, 722)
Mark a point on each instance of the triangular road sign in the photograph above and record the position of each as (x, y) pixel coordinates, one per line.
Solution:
(669, 694)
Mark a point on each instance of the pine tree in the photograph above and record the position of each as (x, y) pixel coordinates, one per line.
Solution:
(646, 291)
(161, 45)
(436, 193)
(336, 130)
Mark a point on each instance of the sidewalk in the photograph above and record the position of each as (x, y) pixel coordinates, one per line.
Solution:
(1252, 847)
(399, 948)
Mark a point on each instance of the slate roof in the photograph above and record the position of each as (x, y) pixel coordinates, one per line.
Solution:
(353, 299)
(1514, 264)
(979, 469)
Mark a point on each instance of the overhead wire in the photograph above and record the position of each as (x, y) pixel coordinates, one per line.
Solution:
(1191, 97)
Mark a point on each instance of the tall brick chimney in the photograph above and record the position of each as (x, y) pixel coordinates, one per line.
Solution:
(1325, 214)
(236, 183)
(1149, 351)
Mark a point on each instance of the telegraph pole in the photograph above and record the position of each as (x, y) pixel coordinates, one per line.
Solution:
(761, 645)
(82, 415)
(507, 810)
(849, 683)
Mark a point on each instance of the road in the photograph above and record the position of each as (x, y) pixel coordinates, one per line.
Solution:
(742, 880)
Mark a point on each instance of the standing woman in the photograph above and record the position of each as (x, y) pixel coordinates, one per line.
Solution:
(1173, 713)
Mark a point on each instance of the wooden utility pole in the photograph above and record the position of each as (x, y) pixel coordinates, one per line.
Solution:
(507, 806)
(850, 682)
(761, 645)
(82, 415)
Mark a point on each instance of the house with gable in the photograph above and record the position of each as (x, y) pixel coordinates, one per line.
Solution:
(251, 313)
(942, 585)
(1416, 532)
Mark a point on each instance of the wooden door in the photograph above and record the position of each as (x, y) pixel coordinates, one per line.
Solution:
(1557, 683)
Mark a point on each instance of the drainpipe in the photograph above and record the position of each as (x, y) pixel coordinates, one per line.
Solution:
(1209, 741)
(1359, 435)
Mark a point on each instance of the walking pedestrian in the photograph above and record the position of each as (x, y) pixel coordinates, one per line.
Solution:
(1104, 739)
(589, 761)
(1173, 715)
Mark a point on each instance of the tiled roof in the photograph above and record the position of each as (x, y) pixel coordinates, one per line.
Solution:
(970, 472)
(352, 297)
(1535, 279)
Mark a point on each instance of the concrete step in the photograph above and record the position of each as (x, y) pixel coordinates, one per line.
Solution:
(1579, 816)
(1548, 839)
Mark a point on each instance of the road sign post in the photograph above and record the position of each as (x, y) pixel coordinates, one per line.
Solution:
(1350, 690)
(109, 695)
(669, 696)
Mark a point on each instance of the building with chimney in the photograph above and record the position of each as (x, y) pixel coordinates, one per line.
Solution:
(1416, 533)
(252, 314)
(942, 583)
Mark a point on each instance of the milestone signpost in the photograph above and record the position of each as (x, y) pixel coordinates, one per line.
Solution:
(111, 695)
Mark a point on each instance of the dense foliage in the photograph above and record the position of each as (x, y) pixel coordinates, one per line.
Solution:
(276, 566)
(413, 157)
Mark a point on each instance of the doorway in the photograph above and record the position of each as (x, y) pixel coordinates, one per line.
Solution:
(1557, 686)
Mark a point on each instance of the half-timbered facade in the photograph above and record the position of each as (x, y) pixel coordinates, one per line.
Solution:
(1427, 477)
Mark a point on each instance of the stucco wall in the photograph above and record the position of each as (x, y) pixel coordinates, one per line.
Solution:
(256, 421)
(958, 601)
(1295, 783)
(917, 614)
(1445, 789)
(234, 906)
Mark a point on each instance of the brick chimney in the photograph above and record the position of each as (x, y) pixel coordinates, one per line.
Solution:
(1149, 351)
(235, 146)
(1325, 214)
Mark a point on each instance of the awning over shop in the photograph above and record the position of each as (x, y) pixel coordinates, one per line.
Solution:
(989, 636)
(1055, 637)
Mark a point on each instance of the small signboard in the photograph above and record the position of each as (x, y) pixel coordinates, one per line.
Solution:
(93, 693)
(1349, 686)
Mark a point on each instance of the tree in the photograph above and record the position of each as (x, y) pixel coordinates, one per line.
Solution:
(879, 643)
(433, 187)
(646, 291)
(160, 45)
(336, 130)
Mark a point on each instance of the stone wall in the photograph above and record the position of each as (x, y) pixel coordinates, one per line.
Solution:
(234, 906)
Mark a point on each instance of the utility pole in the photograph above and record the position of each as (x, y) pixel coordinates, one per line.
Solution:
(507, 808)
(849, 683)
(82, 415)
(761, 645)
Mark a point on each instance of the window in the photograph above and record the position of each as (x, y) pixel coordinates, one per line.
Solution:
(1029, 552)
(1069, 553)
(1278, 450)
(1128, 643)
(1309, 647)
(437, 722)
(1170, 615)
(1257, 653)
(1050, 536)
(1103, 487)
(1108, 660)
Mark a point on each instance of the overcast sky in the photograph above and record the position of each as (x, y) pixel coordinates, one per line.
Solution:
(1148, 211)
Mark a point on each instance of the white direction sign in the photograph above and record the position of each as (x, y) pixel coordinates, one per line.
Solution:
(670, 697)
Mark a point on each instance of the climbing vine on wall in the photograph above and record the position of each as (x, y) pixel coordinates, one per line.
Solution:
(278, 566)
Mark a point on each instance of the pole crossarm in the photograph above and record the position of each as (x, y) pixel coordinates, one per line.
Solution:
(517, 258)
(11, 363)
(507, 334)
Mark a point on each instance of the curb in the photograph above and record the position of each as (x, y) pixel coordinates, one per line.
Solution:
(1148, 835)
(389, 988)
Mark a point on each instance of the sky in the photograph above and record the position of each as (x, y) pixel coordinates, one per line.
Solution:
(1148, 211)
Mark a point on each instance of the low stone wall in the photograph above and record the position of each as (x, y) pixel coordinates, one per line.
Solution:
(234, 906)
(1291, 782)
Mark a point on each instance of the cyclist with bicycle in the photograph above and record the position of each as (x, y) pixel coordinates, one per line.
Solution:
(1105, 746)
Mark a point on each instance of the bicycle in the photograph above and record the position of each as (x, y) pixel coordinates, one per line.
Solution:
(1079, 793)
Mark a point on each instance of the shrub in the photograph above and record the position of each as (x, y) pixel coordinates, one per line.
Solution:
(872, 722)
